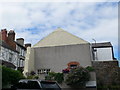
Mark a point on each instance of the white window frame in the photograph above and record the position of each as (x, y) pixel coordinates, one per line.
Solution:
(43, 71)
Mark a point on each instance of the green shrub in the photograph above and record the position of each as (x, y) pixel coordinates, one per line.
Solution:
(10, 76)
(59, 77)
(77, 77)
(50, 76)
(90, 68)
(30, 77)
(36, 77)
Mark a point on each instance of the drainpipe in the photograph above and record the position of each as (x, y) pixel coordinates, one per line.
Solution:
(96, 50)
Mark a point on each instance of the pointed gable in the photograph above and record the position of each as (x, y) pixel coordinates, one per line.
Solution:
(59, 37)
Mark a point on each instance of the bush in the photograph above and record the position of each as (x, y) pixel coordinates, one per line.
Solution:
(59, 77)
(36, 77)
(90, 69)
(50, 76)
(77, 77)
(32, 77)
(10, 76)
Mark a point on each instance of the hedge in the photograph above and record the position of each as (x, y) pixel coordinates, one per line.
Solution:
(10, 76)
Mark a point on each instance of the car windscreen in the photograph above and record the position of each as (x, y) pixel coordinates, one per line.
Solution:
(33, 85)
(45, 84)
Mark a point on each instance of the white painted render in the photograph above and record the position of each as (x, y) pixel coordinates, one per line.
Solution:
(56, 50)
(57, 58)
(5, 55)
(29, 61)
(103, 54)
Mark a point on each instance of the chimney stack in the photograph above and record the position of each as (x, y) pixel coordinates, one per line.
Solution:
(27, 45)
(4, 34)
(11, 35)
(20, 41)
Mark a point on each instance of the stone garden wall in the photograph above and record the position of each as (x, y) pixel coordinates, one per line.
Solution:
(107, 73)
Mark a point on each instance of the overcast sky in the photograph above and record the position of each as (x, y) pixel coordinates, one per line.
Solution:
(87, 20)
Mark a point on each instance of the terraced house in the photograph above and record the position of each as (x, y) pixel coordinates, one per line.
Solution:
(12, 52)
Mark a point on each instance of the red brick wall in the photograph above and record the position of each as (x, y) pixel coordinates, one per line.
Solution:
(5, 38)
(11, 44)
(4, 34)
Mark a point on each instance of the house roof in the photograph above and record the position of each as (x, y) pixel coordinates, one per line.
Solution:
(20, 45)
(60, 37)
(8, 64)
(5, 45)
(104, 44)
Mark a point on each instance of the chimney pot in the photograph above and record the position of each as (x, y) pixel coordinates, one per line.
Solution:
(27, 45)
(4, 34)
(11, 35)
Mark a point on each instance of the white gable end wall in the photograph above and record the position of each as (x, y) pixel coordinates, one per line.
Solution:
(56, 50)
(104, 54)
(58, 38)
(57, 58)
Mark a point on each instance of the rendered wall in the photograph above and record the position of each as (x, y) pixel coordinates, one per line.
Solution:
(104, 54)
(29, 61)
(5, 55)
(57, 58)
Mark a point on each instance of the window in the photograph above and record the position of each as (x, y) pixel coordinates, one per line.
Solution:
(20, 63)
(73, 66)
(43, 71)
(3, 54)
(23, 53)
(20, 51)
(10, 57)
